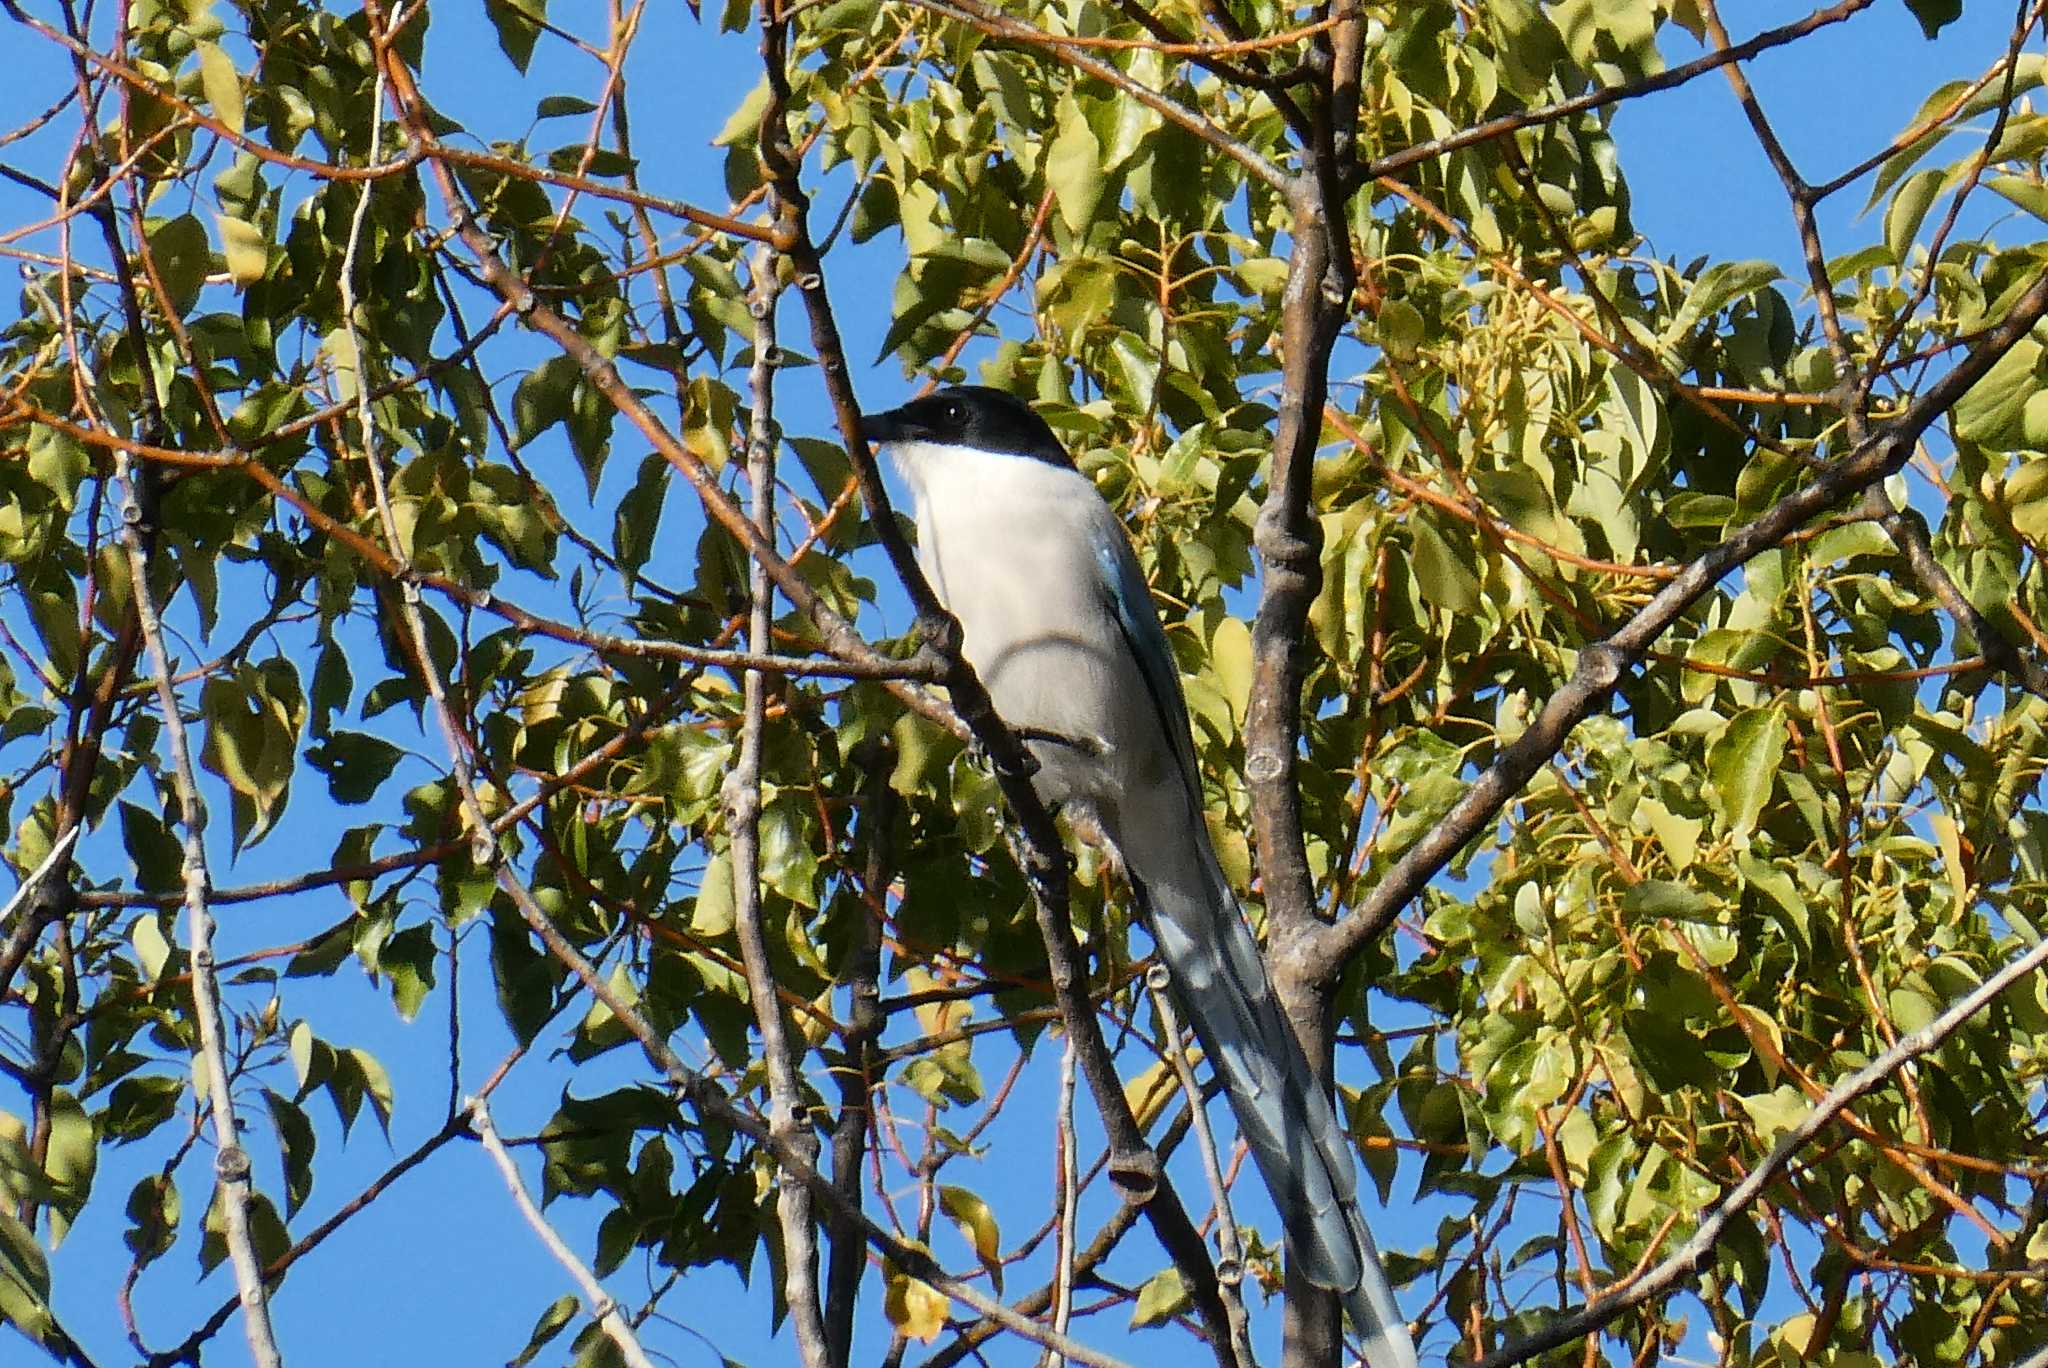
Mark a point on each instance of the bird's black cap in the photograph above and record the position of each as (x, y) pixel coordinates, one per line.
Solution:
(970, 416)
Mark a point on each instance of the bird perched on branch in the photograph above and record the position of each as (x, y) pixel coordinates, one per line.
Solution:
(1058, 621)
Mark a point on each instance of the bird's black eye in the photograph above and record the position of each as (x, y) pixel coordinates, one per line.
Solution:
(955, 411)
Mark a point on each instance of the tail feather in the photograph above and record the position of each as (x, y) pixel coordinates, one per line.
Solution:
(1283, 1115)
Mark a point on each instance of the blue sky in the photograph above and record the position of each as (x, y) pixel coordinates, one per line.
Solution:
(440, 1270)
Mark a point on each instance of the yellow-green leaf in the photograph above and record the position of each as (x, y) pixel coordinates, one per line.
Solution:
(915, 1308)
(978, 1223)
(222, 84)
(1073, 167)
(1162, 1296)
(243, 245)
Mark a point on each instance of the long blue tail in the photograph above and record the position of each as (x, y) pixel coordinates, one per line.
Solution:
(1284, 1117)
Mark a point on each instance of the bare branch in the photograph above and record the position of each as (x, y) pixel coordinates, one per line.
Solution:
(1230, 1250)
(210, 1066)
(860, 1073)
(742, 795)
(1069, 1196)
(596, 1300)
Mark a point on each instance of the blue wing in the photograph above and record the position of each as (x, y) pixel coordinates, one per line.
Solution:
(1130, 602)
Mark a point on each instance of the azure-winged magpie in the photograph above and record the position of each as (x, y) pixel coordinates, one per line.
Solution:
(1058, 621)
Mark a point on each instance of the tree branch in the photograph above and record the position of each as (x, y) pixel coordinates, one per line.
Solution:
(210, 1067)
(787, 1114)
(1603, 664)
(859, 1074)
(597, 1301)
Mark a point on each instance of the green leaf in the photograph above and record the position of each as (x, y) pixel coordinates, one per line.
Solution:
(376, 1084)
(543, 398)
(1743, 765)
(558, 106)
(407, 958)
(1992, 412)
(355, 764)
(245, 249)
(21, 1176)
(24, 1277)
(1935, 15)
(1161, 1298)
(638, 516)
(1908, 207)
(1776, 1112)
(558, 1314)
(2030, 195)
(1654, 898)
(1668, 1052)
(1444, 573)
(154, 1210)
(139, 1104)
(183, 258)
(58, 462)
(517, 23)
(523, 976)
(296, 1142)
(222, 84)
(712, 913)
(1400, 329)
(158, 856)
(745, 121)
(1073, 167)
(978, 1223)
(73, 1154)
(2025, 493)
(1717, 287)
(915, 1308)
(1230, 661)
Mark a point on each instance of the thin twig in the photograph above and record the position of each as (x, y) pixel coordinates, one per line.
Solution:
(597, 1301)
(1229, 1248)
(1070, 1181)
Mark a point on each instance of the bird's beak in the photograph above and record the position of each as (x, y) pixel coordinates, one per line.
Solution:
(882, 428)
